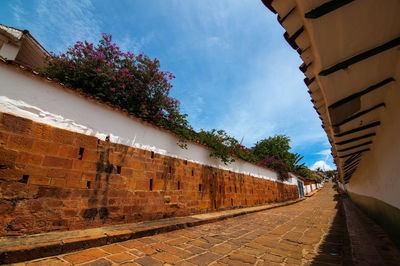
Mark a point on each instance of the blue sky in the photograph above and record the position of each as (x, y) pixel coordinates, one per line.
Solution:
(233, 68)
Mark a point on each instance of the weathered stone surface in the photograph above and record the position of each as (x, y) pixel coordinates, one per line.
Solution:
(121, 257)
(246, 240)
(84, 256)
(148, 261)
(101, 183)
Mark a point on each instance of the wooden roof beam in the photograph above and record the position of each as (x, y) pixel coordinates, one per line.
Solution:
(354, 130)
(352, 170)
(355, 139)
(361, 93)
(352, 158)
(350, 154)
(356, 146)
(360, 57)
(268, 4)
(347, 167)
(359, 114)
(326, 8)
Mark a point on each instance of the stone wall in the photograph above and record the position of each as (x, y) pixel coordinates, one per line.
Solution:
(55, 179)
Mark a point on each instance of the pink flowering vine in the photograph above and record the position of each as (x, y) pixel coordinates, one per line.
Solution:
(99, 69)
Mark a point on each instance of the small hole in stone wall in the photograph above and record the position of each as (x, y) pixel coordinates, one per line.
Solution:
(88, 184)
(199, 187)
(235, 189)
(231, 202)
(185, 162)
(211, 185)
(24, 179)
(151, 184)
(98, 141)
(179, 185)
(152, 155)
(170, 169)
(215, 204)
(192, 172)
(230, 189)
(220, 189)
(118, 169)
(81, 151)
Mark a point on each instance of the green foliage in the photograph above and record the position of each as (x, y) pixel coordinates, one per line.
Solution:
(133, 83)
(276, 146)
(136, 84)
(274, 153)
(306, 173)
(221, 143)
(330, 173)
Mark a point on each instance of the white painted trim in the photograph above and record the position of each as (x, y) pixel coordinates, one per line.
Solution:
(32, 97)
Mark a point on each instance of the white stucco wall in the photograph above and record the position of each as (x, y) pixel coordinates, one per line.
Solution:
(32, 97)
(296, 180)
(341, 186)
(378, 174)
(9, 51)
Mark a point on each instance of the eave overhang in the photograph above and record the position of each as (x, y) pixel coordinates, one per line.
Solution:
(31, 52)
(350, 52)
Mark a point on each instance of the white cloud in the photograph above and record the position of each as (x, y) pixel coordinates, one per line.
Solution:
(326, 153)
(62, 23)
(272, 100)
(321, 165)
(214, 41)
(246, 77)
(267, 95)
(326, 163)
(18, 12)
(127, 43)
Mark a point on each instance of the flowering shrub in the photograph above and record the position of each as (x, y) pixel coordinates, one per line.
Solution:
(133, 83)
(277, 165)
(136, 84)
(244, 153)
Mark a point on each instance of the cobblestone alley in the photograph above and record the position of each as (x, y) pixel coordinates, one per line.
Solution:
(311, 232)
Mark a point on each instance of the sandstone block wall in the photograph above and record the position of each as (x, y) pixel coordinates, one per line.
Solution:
(55, 179)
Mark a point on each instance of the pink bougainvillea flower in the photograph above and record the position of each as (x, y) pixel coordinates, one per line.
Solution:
(112, 89)
(99, 69)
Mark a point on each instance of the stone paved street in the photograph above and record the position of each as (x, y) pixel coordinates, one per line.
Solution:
(311, 232)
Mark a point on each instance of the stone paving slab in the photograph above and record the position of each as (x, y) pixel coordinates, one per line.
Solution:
(15, 249)
(310, 231)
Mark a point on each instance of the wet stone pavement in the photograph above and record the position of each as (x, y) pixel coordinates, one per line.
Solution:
(312, 232)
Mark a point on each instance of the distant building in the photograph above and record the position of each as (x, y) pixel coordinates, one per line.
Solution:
(19, 46)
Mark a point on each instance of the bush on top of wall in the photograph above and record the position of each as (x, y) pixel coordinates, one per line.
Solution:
(136, 84)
